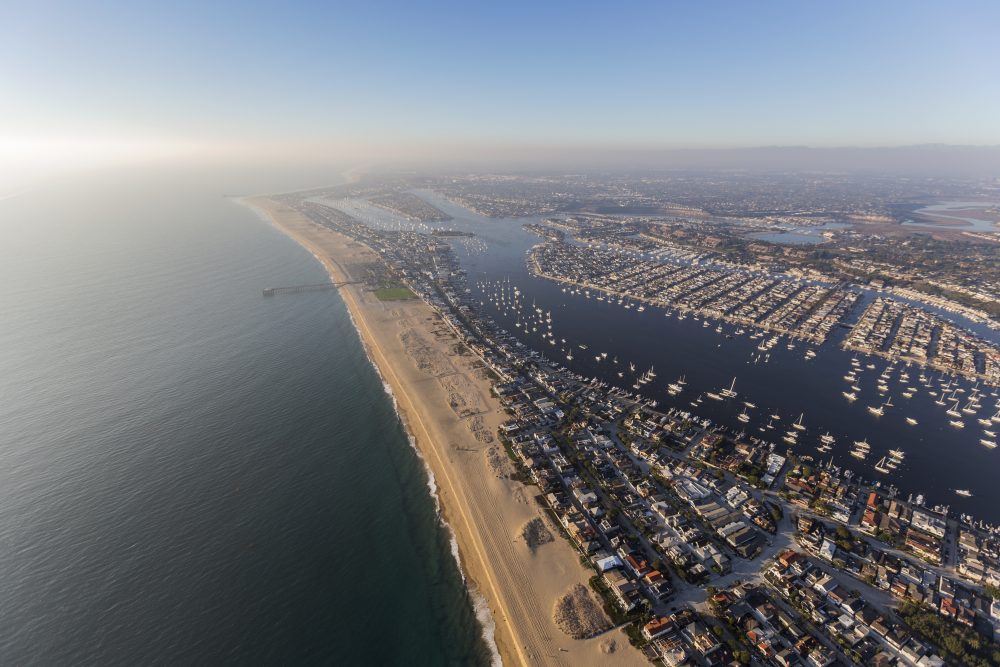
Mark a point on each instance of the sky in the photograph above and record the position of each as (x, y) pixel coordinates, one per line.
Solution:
(380, 78)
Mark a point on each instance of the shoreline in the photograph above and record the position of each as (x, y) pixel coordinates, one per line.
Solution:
(482, 511)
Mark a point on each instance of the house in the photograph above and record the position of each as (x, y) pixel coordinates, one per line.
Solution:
(659, 626)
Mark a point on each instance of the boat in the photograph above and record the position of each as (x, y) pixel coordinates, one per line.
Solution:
(730, 393)
(712, 395)
(859, 454)
(882, 467)
(957, 423)
(798, 425)
(992, 444)
(953, 410)
(991, 434)
(850, 395)
(826, 438)
(862, 444)
(749, 404)
(911, 421)
(790, 440)
(878, 411)
(965, 493)
(743, 416)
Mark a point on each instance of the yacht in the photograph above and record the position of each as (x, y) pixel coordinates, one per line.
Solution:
(957, 423)
(877, 411)
(882, 467)
(712, 395)
(743, 416)
(953, 410)
(826, 438)
(911, 421)
(850, 395)
(965, 493)
(992, 444)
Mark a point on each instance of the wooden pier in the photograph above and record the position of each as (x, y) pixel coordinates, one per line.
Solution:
(294, 289)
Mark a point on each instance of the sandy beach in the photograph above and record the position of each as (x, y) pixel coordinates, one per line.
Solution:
(444, 399)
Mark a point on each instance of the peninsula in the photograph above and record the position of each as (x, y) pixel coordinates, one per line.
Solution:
(444, 398)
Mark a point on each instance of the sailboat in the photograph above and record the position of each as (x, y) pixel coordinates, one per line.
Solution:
(798, 424)
(730, 393)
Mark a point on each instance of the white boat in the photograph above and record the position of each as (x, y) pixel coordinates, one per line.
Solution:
(911, 421)
(798, 425)
(878, 411)
(957, 423)
(730, 393)
(850, 395)
(882, 467)
(965, 493)
(953, 410)
(826, 438)
(988, 443)
(743, 416)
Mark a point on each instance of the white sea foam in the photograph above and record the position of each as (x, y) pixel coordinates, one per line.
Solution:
(480, 606)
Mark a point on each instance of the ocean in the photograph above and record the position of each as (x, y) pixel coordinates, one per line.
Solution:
(193, 473)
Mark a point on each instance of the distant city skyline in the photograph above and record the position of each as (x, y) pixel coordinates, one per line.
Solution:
(382, 80)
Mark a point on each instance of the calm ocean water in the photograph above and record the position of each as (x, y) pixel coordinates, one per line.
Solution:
(192, 473)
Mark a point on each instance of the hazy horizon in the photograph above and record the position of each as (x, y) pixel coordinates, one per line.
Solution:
(124, 84)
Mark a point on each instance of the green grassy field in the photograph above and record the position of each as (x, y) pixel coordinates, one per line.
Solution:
(394, 294)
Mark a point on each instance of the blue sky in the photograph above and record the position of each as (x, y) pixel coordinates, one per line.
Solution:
(699, 74)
